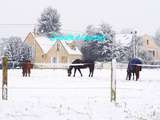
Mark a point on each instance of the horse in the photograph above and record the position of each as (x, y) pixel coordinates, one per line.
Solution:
(26, 68)
(81, 64)
(133, 68)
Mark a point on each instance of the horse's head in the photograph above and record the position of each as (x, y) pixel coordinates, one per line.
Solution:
(69, 71)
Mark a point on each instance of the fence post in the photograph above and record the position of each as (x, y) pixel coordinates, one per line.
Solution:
(4, 78)
(113, 80)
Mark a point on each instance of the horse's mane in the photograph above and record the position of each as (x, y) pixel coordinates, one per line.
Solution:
(77, 61)
(82, 61)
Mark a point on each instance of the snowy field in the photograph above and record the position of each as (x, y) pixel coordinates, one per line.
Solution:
(51, 95)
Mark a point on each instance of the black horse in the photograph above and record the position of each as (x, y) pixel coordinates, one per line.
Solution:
(80, 64)
(134, 68)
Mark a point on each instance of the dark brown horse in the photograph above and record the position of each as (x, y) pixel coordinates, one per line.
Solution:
(81, 64)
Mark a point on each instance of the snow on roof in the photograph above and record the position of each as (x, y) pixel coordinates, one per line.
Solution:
(45, 43)
(123, 39)
(73, 51)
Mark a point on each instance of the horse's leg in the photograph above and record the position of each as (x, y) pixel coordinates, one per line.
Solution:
(92, 69)
(133, 75)
(129, 75)
(89, 71)
(137, 75)
(25, 72)
(80, 71)
(91, 74)
(29, 72)
(74, 72)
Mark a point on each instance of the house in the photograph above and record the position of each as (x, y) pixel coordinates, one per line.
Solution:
(148, 44)
(151, 47)
(46, 51)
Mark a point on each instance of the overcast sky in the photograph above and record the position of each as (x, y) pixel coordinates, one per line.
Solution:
(77, 14)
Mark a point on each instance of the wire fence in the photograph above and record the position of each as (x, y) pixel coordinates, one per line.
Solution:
(70, 88)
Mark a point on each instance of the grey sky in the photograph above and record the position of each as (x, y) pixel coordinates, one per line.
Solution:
(77, 14)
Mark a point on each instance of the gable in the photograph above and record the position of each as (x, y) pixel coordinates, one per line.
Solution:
(45, 43)
(74, 51)
(31, 41)
(63, 46)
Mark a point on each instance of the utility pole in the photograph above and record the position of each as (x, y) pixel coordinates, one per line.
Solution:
(134, 40)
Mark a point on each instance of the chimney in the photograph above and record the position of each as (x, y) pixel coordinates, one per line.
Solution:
(35, 31)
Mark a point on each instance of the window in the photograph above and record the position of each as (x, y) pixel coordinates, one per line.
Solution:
(153, 53)
(44, 55)
(147, 42)
(53, 60)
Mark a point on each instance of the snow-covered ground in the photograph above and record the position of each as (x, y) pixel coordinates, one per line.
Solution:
(51, 95)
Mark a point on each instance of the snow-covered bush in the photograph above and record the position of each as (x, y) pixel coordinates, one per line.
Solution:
(16, 50)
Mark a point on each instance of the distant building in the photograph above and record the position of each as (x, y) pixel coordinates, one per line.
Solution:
(46, 51)
(148, 44)
(151, 46)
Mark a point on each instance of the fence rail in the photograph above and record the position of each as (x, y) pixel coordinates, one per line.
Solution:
(61, 88)
(98, 65)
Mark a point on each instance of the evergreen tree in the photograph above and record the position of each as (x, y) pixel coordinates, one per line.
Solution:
(99, 50)
(49, 21)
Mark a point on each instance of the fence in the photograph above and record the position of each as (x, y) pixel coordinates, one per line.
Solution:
(98, 65)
